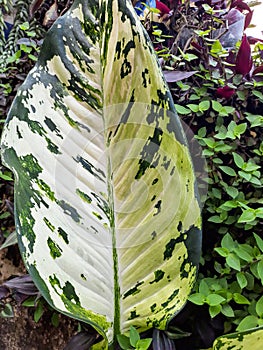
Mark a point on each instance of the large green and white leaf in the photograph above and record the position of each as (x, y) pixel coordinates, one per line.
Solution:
(107, 217)
(252, 339)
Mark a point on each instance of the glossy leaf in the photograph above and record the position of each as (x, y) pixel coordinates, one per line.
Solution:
(107, 214)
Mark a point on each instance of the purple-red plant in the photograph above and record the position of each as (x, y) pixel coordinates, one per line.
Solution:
(244, 60)
(225, 92)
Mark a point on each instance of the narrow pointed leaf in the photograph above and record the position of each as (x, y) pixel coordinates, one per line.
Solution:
(244, 58)
(107, 214)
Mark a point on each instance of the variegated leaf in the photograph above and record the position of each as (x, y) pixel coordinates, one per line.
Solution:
(107, 217)
(252, 339)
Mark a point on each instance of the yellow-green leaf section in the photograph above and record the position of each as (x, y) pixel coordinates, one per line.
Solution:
(252, 339)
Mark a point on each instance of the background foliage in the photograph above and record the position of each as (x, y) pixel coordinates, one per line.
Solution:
(217, 87)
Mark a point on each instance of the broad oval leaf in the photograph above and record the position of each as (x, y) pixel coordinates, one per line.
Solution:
(107, 214)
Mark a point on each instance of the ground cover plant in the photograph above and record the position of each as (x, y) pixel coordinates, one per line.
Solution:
(217, 87)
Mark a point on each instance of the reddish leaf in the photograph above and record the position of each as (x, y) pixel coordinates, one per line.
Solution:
(225, 92)
(197, 46)
(248, 19)
(240, 5)
(173, 76)
(162, 8)
(252, 40)
(258, 70)
(244, 60)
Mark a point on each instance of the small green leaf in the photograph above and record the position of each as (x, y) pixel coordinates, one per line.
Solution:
(250, 166)
(259, 241)
(214, 299)
(210, 142)
(203, 288)
(5, 177)
(194, 108)
(227, 310)
(232, 191)
(245, 175)
(222, 251)
(255, 181)
(217, 193)
(207, 153)
(240, 129)
(223, 148)
(250, 281)
(123, 341)
(248, 215)
(258, 94)
(255, 120)
(55, 319)
(182, 110)
(247, 323)
(226, 169)
(24, 26)
(260, 270)
(202, 132)
(259, 307)
(233, 261)
(226, 110)
(197, 298)
(204, 105)
(228, 205)
(240, 299)
(216, 219)
(254, 269)
(214, 310)
(30, 302)
(217, 161)
(241, 279)
(243, 254)
(228, 242)
(239, 161)
(216, 106)
(134, 336)
(229, 109)
(143, 344)
(7, 311)
(39, 311)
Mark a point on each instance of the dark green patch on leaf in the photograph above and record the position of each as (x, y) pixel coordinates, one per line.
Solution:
(63, 234)
(133, 290)
(55, 250)
(158, 275)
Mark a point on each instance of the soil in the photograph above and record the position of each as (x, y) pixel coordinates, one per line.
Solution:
(20, 332)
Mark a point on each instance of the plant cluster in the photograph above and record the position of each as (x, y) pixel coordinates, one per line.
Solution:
(215, 74)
